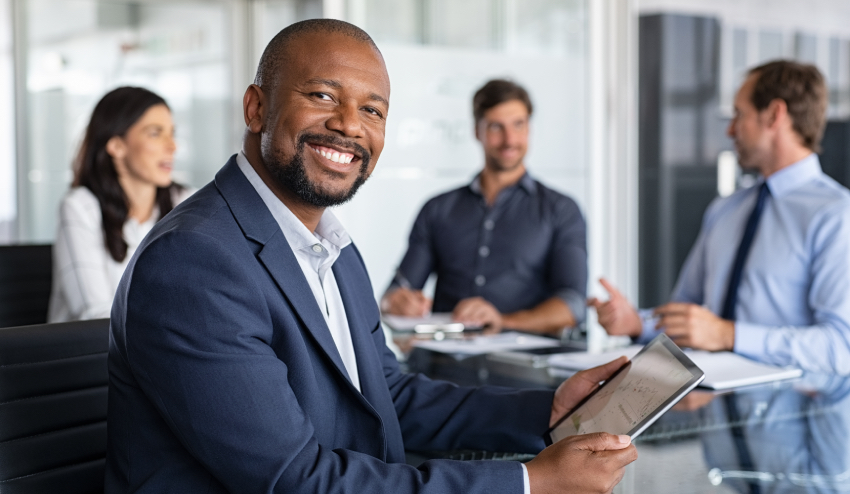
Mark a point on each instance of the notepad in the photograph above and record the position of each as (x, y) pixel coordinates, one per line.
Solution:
(723, 370)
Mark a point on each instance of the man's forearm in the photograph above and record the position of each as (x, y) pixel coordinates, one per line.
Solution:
(549, 317)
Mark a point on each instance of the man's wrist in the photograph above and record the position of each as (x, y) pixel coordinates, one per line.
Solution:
(730, 335)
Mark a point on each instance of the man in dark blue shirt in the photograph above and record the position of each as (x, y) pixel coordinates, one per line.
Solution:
(507, 251)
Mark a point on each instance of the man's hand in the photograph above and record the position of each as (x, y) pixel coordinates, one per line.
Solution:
(579, 385)
(590, 463)
(694, 401)
(405, 302)
(476, 311)
(617, 315)
(695, 326)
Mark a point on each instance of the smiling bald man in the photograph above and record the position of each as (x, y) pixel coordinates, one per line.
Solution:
(246, 352)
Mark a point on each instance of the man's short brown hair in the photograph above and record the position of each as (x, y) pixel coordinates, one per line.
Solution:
(495, 92)
(802, 88)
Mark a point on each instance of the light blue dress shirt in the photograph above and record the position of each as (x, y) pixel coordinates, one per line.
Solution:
(794, 297)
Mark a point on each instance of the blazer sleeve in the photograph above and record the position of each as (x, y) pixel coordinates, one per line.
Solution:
(441, 416)
(197, 340)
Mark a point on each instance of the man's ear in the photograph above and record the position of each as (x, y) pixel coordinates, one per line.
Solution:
(477, 131)
(116, 148)
(777, 114)
(254, 108)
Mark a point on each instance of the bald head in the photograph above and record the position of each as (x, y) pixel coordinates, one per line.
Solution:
(316, 116)
(277, 52)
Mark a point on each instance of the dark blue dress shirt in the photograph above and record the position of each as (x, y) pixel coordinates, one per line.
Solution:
(529, 246)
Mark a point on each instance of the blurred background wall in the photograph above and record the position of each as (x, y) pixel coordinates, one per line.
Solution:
(631, 102)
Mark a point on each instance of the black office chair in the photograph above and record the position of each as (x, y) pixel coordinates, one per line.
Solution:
(53, 386)
(26, 272)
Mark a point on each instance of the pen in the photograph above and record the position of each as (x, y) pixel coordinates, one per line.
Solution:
(402, 280)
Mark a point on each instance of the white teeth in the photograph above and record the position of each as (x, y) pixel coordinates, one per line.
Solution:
(336, 157)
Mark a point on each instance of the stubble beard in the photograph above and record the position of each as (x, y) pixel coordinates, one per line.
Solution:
(501, 166)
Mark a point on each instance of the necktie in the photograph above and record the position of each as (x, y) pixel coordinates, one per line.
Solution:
(739, 439)
(741, 256)
(737, 429)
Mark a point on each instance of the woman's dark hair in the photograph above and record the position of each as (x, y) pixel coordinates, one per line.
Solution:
(94, 168)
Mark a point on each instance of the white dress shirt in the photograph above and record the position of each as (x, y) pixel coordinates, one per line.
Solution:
(316, 252)
(85, 276)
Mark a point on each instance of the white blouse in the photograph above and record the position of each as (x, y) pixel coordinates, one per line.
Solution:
(85, 276)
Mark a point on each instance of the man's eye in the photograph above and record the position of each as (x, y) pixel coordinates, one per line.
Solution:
(324, 96)
(373, 111)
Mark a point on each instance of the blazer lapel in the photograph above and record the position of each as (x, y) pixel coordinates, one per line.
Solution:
(259, 225)
(351, 282)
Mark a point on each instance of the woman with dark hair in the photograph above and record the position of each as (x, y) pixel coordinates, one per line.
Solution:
(122, 186)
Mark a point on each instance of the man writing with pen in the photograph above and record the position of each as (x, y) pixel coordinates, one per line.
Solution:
(508, 252)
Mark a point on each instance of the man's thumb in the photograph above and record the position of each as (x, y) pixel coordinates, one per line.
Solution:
(602, 441)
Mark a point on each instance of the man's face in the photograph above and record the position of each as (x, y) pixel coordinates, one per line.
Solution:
(324, 129)
(748, 128)
(503, 133)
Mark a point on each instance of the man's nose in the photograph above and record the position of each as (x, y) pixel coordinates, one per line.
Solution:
(512, 137)
(346, 120)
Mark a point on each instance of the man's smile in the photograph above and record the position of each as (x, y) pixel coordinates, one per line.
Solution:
(334, 154)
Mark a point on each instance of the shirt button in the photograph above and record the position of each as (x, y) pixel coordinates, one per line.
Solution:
(480, 280)
(484, 251)
(489, 224)
(317, 248)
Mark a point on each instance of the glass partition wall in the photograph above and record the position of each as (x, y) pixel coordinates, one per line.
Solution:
(77, 50)
(199, 55)
(438, 53)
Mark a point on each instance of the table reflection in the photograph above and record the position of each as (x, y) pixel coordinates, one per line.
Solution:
(798, 438)
(796, 433)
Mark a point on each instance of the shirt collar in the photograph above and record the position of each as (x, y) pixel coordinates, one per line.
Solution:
(794, 175)
(298, 235)
(526, 182)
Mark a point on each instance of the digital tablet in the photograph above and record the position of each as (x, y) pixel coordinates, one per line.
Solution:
(635, 395)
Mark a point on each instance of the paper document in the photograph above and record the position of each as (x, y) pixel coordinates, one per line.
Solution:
(723, 370)
(479, 345)
(440, 321)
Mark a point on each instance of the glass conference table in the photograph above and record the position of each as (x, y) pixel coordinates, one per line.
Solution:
(783, 437)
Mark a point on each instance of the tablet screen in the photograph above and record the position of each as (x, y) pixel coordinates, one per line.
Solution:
(636, 395)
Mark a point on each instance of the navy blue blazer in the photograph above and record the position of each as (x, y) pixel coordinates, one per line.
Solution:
(224, 376)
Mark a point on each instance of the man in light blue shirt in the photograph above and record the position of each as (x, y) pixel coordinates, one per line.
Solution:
(793, 297)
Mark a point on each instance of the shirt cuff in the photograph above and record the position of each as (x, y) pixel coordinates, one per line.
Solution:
(576, 302)
(750, 340)
(526, 485)
(648, 322)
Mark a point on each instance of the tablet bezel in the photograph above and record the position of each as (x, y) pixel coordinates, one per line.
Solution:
(697, 376)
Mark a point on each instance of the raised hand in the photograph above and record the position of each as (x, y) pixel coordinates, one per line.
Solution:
(616, 315)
